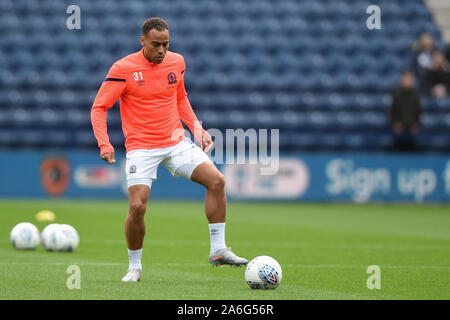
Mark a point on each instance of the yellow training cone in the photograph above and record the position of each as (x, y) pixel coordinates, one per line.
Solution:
(45, 215)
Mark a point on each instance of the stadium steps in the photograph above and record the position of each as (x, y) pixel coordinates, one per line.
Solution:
(440, 10)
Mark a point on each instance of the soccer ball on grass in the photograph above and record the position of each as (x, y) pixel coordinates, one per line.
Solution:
(263, 272)
(60, 237)
(25, 236)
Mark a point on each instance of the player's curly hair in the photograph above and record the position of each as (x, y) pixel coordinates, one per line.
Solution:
(154, 23)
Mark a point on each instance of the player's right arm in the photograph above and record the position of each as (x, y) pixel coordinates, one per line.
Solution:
(110, 90)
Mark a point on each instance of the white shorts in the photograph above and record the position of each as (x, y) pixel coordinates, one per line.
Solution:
(181, 160)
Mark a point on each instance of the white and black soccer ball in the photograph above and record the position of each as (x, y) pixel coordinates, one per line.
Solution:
(71, 237)
(25, 236)
(263, 272)
(49, 237)
(60, 237)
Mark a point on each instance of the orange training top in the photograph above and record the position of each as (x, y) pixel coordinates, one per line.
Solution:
(152, 102)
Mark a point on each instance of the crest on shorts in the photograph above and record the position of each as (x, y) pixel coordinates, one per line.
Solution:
(133, 169)
(172, 78)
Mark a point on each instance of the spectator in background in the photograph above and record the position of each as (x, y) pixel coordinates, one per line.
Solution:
(423, 60)
(405, 113)
(438, 77)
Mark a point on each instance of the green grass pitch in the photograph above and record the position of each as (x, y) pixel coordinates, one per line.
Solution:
(324, 250)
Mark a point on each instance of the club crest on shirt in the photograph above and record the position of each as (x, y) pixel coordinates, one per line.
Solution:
(172, 78)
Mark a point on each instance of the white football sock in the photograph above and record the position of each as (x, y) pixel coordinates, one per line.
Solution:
(217, 236)
(134, 257)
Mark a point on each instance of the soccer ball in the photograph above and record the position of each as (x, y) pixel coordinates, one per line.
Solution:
(71, 237)
(60, 237)
(50, 237)
(25, 235)
(263, 272)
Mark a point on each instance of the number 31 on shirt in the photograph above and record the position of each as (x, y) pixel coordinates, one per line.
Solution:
(138, 76)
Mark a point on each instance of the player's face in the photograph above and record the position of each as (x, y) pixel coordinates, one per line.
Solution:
(156, 44)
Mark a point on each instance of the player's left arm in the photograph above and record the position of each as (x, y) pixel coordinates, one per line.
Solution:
(188, 116)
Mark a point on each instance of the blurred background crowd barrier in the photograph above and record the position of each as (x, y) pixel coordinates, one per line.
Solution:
(347, 177)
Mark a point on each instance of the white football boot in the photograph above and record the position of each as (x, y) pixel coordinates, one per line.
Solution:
(226, 256)
(133, 275)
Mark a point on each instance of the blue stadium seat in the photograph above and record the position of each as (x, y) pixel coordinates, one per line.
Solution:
(442, 103)
(58, 138)
(376, 121)
(84, 138)
(256, 101)
(356, 141)
(304, 140)
(337, 101)
(434, 141)
(8, 137)
(292, 120)
(211, 119)
(382, 141)
(31, 138)
(346, 121)
(76, 118)
(284, 100)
